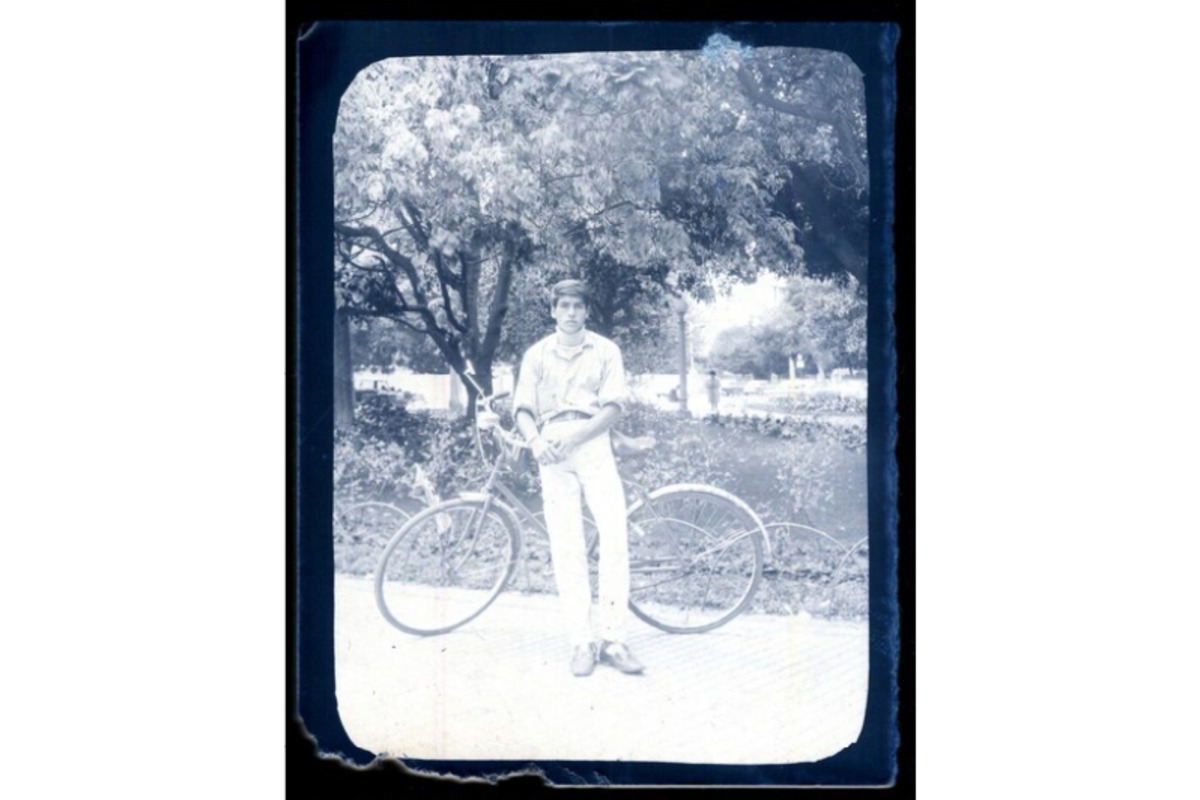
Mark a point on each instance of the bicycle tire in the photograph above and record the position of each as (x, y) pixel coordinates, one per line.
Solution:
(446, 565)
(696, 558)
(850, 591)
(360, 532)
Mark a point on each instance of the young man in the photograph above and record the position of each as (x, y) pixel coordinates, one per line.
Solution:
(570, 392)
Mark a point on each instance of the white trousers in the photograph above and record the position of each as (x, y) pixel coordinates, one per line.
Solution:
(590, 471)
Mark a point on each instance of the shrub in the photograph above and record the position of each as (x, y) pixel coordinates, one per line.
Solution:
(821, 403)
(376, 458)
(849, 436)
(684, 453)
(368, 469)
(787, 469)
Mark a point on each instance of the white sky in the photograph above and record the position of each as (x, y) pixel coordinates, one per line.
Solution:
(745, 303)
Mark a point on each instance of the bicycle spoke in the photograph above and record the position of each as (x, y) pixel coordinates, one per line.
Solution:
(445, 566)
(361, 531)
(695, 561)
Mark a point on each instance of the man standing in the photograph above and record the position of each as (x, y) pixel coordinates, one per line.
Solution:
(713, 385)
(570, 392)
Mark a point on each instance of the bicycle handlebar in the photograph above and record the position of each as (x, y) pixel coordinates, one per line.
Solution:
(488, 419)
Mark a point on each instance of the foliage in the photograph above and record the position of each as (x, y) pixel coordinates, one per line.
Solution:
(624, 308)
(789, 471)
(463, 184)
(832, 217)
(802, 429)
(814, 574)
(824, 319)
(783, 466)
(375, 459)
(754, 349)
(381, 342)
(822, 403)
(684, 453)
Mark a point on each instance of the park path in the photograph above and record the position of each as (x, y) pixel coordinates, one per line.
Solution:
(760, 690)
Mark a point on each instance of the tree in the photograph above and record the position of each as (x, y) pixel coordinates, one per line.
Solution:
(825, 318)
(750, 350)
(382, 342)
(462, 184)
(832, 219)
(628, 305)
(826, 194)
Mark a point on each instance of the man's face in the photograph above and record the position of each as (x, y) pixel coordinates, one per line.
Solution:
(570, 313)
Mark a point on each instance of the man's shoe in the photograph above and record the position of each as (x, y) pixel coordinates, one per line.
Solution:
(584, 660)
(617, 655)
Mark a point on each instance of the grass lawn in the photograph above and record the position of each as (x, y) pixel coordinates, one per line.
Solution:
(843, 514)
(819, 572)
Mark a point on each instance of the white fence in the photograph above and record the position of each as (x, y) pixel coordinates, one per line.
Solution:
(429, 392)
(446, 392)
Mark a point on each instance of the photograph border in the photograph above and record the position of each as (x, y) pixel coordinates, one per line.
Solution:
(328, 55)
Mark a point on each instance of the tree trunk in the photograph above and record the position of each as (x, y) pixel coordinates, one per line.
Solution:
(343, 372)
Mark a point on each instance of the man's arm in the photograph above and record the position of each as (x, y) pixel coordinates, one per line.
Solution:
(525, 405)
(598, 424)
(546, 452)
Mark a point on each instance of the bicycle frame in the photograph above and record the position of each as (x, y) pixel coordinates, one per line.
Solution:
(494, 485)
(699, 549)
(495, 492)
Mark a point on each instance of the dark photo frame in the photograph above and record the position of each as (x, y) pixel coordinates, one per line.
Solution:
(328, 56)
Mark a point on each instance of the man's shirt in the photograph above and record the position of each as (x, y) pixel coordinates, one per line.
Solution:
(585, 378)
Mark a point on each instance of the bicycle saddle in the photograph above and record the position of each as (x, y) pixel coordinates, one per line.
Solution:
(633, 447)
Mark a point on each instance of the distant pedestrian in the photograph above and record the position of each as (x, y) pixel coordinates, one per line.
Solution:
(713, 385)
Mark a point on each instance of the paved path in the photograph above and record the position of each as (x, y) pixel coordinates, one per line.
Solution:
(760, 690)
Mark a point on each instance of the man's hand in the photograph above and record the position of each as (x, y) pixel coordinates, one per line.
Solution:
(547, 451)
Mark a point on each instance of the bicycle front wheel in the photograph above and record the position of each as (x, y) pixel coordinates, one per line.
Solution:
(696, 557)
(445, 566)
(361, 531)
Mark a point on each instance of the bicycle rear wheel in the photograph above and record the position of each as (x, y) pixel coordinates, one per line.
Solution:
(696, 557)
(851, 590)
(446, 566)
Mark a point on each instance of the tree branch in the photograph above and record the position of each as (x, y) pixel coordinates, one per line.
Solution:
(374, 207)
(401, 321)
(599, 213)
(395, 314)
(498, 308)
(411, 219)
(404, 263)
(443, 272)
(756, 94)
(447, 342)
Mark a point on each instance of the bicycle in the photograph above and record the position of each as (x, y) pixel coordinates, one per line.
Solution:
(696, 551)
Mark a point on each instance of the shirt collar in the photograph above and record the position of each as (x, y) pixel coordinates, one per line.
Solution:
(589, 340)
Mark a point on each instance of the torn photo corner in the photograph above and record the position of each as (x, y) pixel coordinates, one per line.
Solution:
(725, 196)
